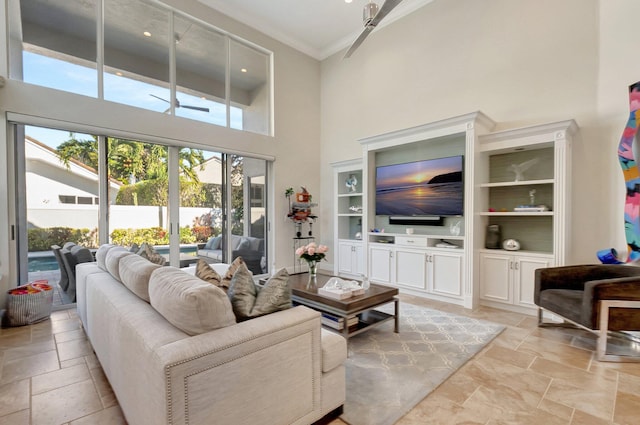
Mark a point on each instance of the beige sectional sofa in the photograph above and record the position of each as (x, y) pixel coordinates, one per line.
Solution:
(282, 368)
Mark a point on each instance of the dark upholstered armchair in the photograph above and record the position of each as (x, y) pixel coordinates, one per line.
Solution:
(598, 297)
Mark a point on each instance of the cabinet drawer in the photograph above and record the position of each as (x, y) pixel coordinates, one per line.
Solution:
(411, 241)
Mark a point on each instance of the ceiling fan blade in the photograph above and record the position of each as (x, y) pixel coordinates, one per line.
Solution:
(157, 97)
(386, 8)
(358, 41)
(196, 108)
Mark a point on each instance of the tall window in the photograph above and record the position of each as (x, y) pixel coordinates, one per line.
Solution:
(53, 43)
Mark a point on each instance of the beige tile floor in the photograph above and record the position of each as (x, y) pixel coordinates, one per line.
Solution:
(49, 375)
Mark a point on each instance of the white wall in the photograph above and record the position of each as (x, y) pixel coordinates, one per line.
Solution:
(619, 67)
(296, 144)
(521, 62)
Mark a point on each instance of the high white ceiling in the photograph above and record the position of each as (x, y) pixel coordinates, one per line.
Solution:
(318, 28)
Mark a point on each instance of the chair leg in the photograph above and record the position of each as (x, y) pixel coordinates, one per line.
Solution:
(564, 324)
(603, 334)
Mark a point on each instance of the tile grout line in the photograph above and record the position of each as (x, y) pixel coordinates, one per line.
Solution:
(615, 399)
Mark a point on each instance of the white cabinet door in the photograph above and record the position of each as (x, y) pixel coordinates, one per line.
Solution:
(495, 277)
(411, 268)
(380, 264)
(445, 273)
(358, 259)
(350, 259)
(345, 254)
(524, 278)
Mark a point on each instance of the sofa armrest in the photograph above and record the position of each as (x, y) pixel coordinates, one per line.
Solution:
(215, 375)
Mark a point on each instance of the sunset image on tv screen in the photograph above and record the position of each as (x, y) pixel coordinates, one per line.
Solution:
(432, 187)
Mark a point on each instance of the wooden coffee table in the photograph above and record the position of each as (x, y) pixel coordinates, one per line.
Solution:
(304, 293)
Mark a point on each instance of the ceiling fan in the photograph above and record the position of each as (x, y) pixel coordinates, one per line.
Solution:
(371, 17)
(179, 105)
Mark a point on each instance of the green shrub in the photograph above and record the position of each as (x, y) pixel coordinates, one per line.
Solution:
(151, 235)
(41, 239)
(186, 235)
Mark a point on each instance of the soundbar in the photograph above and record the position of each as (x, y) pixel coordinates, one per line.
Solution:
(422, 220)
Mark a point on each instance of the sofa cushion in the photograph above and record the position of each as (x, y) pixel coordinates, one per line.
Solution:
(249, 300)
(235, 241)
(189, 303)
(334, 350)
(256, 244)
(112, 261)
(245, 245)
(208, 274)
(214, 243)
(135, 272)
(101, 255)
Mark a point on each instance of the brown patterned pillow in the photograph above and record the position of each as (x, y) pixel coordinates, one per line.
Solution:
(147, 251)
(275, 295)
(235, 265)
(249, 300)
(206, 273)
(242, 292)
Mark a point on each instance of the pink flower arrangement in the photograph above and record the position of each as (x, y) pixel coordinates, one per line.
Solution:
(312, 252)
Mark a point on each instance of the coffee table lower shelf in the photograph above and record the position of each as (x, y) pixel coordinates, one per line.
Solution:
(367, 319)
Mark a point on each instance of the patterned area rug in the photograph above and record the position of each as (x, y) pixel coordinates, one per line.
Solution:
(389, 373)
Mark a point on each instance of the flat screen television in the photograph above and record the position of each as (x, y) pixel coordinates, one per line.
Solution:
(431, 187)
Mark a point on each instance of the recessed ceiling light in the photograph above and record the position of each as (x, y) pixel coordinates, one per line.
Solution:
(243, 70)
(348, 1)
(119, 74)
(147, 34)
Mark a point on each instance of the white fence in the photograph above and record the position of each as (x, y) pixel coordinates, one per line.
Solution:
(120, 216)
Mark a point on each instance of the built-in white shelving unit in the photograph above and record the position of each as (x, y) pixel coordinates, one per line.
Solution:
(413, 263)
(348, 212)
(507, 278)
(448, 261)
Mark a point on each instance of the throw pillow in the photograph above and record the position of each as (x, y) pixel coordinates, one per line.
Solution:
(244, 245)
(275, 295)
(187, 302)
(249, 302)
(147, 251)
(233, 267)
(242, 292)
(206, 273)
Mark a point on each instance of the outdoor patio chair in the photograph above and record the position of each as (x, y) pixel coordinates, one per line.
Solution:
(71, 258)
(64, 277)
(604, 299)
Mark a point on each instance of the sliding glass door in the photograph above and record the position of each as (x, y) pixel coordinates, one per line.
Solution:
(58, 202)
(88, 189)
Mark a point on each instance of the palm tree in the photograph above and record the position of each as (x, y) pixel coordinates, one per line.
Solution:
(130, 160)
